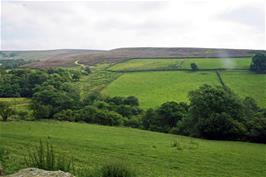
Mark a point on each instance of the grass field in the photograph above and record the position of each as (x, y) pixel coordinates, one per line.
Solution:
(18, 104)
(147, 64)
(155, 88)
(245, 83)
(174, 64)
(151, 153)
(218, 63)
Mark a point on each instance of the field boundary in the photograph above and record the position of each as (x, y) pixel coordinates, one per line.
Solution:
(220, 78)
(169, 69)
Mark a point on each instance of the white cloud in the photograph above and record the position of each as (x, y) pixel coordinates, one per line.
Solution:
(113, 24)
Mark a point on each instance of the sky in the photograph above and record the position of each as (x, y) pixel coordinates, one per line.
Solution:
(41, 25)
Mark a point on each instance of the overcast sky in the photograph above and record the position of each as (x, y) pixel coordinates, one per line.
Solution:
(29, 25)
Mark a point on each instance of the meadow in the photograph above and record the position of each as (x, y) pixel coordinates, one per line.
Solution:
(217, 63)
(245, 83)
(18, 104)
(177, 64)
(155, 88)
(147, 64)
(150, 153)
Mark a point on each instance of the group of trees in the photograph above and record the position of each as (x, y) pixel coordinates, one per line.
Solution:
(23, 82)
(213, 113)
(12, 63)
(258, 63)
(63, 103)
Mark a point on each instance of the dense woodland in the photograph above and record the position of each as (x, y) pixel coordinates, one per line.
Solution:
(212, 112)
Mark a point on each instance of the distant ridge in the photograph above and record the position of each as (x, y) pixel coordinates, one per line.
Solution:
(67, 57)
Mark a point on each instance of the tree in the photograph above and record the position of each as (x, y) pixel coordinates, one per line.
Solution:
(131, 100)
(165, 117)
(108, 118)
(194, 66)
(87, 69)
(216, 113)
(172, 112)
(258, 63)
(5, 111)
(257, 127)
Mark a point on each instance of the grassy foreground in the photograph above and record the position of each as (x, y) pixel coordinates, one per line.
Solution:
(151, 154)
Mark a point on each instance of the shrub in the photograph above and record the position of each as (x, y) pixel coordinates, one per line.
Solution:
(133, 122)
(117, 100)
(194, 66)
(87, 114)
(91, 98)
(131, 100)
(5, 110)
(108, 118)
(117, 169)
(258, 63)
(44, 157)
(257, 128)
(67, 115)
(127, 110)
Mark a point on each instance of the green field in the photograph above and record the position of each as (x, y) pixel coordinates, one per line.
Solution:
(218, 63)
(150, 153)
(147, 64)
(18, 104)
(155, 88)
(174, 64)
(245, 83)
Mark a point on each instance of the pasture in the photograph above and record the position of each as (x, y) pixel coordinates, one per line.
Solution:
(18, 104)
(179, 64)
(147, 64)
(155, 88)
(217, 63)
(245, 83)
(150, 153)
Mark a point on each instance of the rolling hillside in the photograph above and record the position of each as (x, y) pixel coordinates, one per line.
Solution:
(52, 58)
(151, 154)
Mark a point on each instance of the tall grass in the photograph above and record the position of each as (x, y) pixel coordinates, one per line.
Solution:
(43, 156)
(117, 169)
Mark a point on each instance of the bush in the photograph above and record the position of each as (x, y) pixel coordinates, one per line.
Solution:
(133, 122)
(108, 118)
(257, 128)
(67, 115)
(131, 100)
(91, 98)
(221, 126)
(165, 117)
(127, 110)
(117, 100)
(117, 169)
(5, 110)
(44, 157)
(87, 114)
(194, 66)
(258, 63)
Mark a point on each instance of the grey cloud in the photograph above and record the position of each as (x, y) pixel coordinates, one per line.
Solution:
(252, 15)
